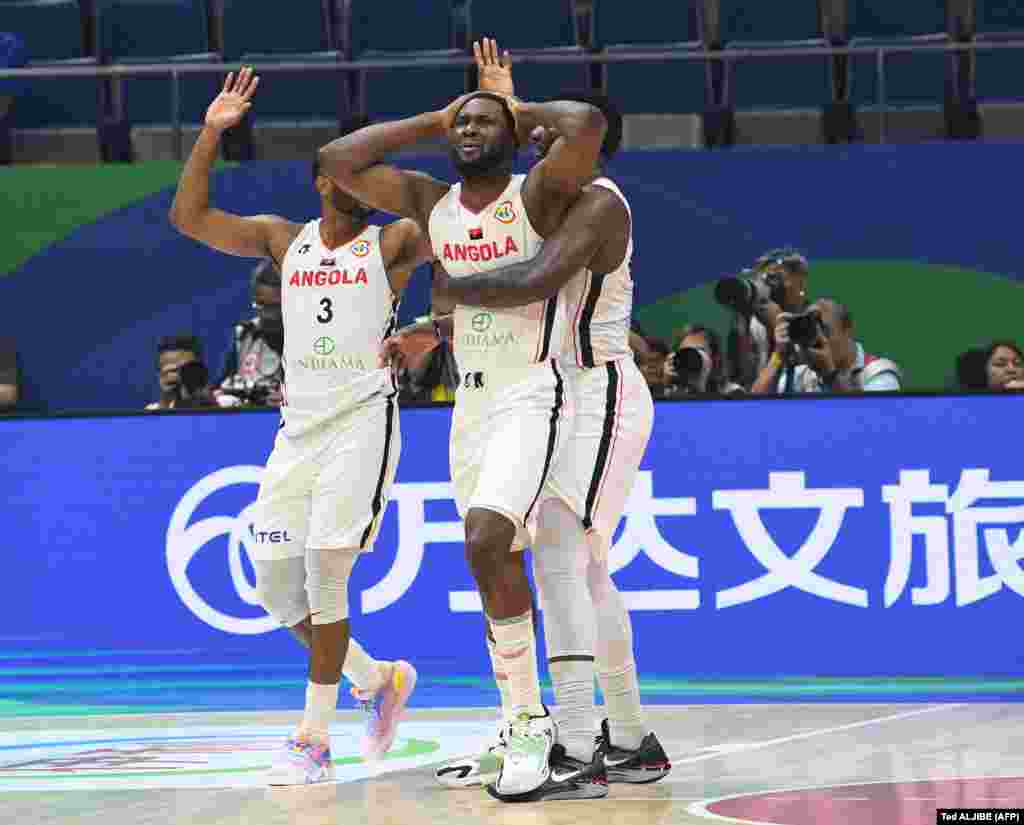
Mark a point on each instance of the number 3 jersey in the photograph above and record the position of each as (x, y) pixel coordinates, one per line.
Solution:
(337, 307)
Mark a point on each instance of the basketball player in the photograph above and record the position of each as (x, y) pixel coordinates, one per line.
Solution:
(511, 409)
(327, 481)
(589, 258)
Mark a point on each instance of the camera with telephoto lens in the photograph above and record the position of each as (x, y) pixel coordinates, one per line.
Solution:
(248, 391)
(804, 328)
(692, 367)
(745, 291)
(192, 380)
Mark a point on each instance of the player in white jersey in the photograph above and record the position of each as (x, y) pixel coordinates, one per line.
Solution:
(589, 259)
(511, 408)
(328, 478)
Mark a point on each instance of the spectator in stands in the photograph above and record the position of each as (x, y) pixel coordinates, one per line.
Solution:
(8, 375)
(785, 274)
(650, 353)
(182, 375)
(697, 366)
(254, 371)
(1004, 366)
(830, 360)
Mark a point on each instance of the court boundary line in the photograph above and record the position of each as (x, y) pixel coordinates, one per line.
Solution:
(810, 734)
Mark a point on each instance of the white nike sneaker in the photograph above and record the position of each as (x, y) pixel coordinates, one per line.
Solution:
(475, 771)
(526, 764)
(301, 763)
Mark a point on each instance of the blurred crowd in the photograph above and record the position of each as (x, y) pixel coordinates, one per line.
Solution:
(779, 343)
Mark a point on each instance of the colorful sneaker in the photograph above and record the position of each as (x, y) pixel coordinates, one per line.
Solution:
(648, 763)
(301, 763)
(385, 709)
(526, 765)
(474, 771)
(570, 778)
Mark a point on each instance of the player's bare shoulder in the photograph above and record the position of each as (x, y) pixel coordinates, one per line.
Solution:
(281, 233)
(606, 213)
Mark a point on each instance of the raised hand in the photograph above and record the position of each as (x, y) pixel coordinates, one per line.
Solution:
(230, 106)
(494, 70)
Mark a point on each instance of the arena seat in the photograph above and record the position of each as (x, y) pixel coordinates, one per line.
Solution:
(404, 29)
(910, 78)
(999, 74)
(52, 32)
(295, 30)
(644, 25)
(533, 27)
(787, 82)
(156, 31)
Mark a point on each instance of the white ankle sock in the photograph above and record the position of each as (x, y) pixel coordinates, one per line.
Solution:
(501, 680)
(574, 691)
(622, 702)
(515, 647)
(321, 703)
(362, 670)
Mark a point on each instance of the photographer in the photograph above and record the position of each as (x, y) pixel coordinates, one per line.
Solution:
(696, 365)
(816, 351)
(776, 284)
(182, 375)
(254, 371)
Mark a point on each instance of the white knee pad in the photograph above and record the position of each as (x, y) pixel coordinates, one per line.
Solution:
(281, 588)
(327, 575)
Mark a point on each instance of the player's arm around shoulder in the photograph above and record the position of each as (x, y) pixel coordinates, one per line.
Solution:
(404, 246)
(555, 182)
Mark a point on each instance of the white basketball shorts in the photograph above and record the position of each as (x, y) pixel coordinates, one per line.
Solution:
(508, 430)
(328, 488)
(596, 471)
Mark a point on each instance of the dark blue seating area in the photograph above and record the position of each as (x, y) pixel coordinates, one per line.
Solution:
(53, 36)
(658, 86)
(179, 32)
(374, 36)
(533, 27)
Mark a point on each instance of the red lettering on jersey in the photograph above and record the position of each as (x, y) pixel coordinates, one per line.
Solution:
(294, 280)
(321, 278)
(510, 246)
(473, 253)
(447, 252)
(334, 278)
(361, 276)
(479, 252)
(460, 252)
(487, 251)
(307, 278)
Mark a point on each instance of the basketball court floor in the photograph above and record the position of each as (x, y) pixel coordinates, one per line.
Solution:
(784, 763)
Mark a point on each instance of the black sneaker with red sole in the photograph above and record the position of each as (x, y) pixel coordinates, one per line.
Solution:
(648, 763)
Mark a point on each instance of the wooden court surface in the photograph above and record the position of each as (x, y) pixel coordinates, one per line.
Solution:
(766, 759)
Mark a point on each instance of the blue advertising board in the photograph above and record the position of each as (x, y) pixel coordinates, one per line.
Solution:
(840, 537)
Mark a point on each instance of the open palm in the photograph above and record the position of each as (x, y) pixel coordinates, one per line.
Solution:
(230, 106)
(494, 69)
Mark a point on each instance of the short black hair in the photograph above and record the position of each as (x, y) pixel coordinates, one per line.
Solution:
(613, 133)
(183, 341)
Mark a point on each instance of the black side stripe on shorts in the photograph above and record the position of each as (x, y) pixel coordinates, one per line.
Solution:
(378, 493)
(550, 311)
(586, 345)
(556, 411)
(610, 406)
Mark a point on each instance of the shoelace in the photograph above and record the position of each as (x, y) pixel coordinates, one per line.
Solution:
(371, 706)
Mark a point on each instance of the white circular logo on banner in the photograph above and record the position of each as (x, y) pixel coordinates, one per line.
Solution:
(184, 540)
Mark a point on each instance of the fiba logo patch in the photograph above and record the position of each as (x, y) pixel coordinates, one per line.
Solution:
(505, 213)
(481, 322)
(360, 249)
(185, 540)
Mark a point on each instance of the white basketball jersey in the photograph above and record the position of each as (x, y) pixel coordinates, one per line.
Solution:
(337, 307)
(468, 242)
(601, 306)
